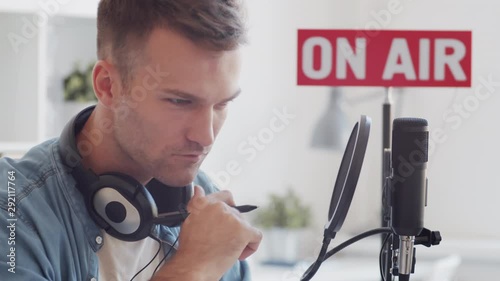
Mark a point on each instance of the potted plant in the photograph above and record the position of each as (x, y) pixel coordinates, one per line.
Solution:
(78, 85)
(283, 221)
(78, 90)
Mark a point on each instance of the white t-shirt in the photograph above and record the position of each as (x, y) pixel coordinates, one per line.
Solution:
(121, 260)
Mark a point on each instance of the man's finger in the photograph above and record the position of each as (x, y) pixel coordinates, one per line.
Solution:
(198, 191)
(253, 245)
(198, 201)
(225, 196)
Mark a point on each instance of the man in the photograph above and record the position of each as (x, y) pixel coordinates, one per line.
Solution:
(167, 70)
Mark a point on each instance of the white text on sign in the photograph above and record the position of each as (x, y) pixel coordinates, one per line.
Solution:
(391, 58)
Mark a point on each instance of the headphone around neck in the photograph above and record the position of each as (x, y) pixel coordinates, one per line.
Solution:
(116, 202)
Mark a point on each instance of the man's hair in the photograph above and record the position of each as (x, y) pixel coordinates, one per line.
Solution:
(123, 26)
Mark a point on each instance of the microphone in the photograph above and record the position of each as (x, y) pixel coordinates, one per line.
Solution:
(408, 186)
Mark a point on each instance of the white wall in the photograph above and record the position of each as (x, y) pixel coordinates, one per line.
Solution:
(80, 8)
(269, 84)
(71, 42)
(19, 82)
(29, 46)
(464, 194)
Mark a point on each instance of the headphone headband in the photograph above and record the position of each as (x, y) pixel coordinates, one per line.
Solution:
(67, 141)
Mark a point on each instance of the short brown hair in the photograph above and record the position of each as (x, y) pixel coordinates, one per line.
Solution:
(123, 26)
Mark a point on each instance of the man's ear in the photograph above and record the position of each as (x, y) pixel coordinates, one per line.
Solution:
(107, 83)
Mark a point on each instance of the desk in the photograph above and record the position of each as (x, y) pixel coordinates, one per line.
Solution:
(336, 269)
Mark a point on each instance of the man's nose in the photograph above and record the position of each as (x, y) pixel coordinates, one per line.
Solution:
(201, 129)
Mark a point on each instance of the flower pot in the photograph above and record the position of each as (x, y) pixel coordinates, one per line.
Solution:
(281, 246)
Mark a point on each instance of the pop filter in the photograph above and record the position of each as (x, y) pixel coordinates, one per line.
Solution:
(347, 177)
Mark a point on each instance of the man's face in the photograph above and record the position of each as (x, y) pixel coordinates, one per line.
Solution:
(175, 105)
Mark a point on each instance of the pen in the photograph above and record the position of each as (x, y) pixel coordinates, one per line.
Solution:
(176, 218)
(245, 208)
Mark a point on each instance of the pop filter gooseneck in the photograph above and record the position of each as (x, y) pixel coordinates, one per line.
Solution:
(345, 185)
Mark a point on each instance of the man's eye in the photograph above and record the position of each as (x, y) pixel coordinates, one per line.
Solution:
(179, 101)
(223, 104)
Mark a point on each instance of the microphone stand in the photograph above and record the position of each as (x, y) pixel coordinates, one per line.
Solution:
(386, 171)
(389, 254)
(427, 238)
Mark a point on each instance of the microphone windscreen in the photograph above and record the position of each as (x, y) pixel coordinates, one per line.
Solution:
(410, 141)
(410, 138)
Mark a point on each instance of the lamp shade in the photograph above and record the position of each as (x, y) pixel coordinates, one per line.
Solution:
(331, 130)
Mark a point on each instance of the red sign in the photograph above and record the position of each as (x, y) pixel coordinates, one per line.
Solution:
(384, 58)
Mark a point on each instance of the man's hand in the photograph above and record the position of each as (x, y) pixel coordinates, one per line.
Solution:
(212, 238)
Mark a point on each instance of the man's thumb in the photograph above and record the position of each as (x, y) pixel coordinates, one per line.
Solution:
(198, 191)
(197, 202)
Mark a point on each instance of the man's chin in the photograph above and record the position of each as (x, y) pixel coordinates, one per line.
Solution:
(178, 180)
(174, 174)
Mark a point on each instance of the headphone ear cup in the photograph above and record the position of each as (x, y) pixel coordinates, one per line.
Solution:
(122, 206)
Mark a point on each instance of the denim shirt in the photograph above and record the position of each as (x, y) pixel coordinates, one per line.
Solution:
(46, 232)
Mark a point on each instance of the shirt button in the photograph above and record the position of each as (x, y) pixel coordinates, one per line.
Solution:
(98, 240)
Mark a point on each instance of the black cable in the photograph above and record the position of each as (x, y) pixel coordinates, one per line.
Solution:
(157, 252)
(164, 257)
(315, 266)
(356, 239)
(326, 240)
(381, 257)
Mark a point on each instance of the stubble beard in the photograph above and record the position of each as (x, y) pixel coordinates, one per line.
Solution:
(134, 145)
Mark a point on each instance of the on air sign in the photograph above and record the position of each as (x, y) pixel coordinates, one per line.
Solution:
(384, 58)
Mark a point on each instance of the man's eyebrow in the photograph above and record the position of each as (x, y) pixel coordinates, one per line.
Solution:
(233, 96)
(189, 96)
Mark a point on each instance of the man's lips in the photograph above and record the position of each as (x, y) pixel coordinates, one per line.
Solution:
(194, 157)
